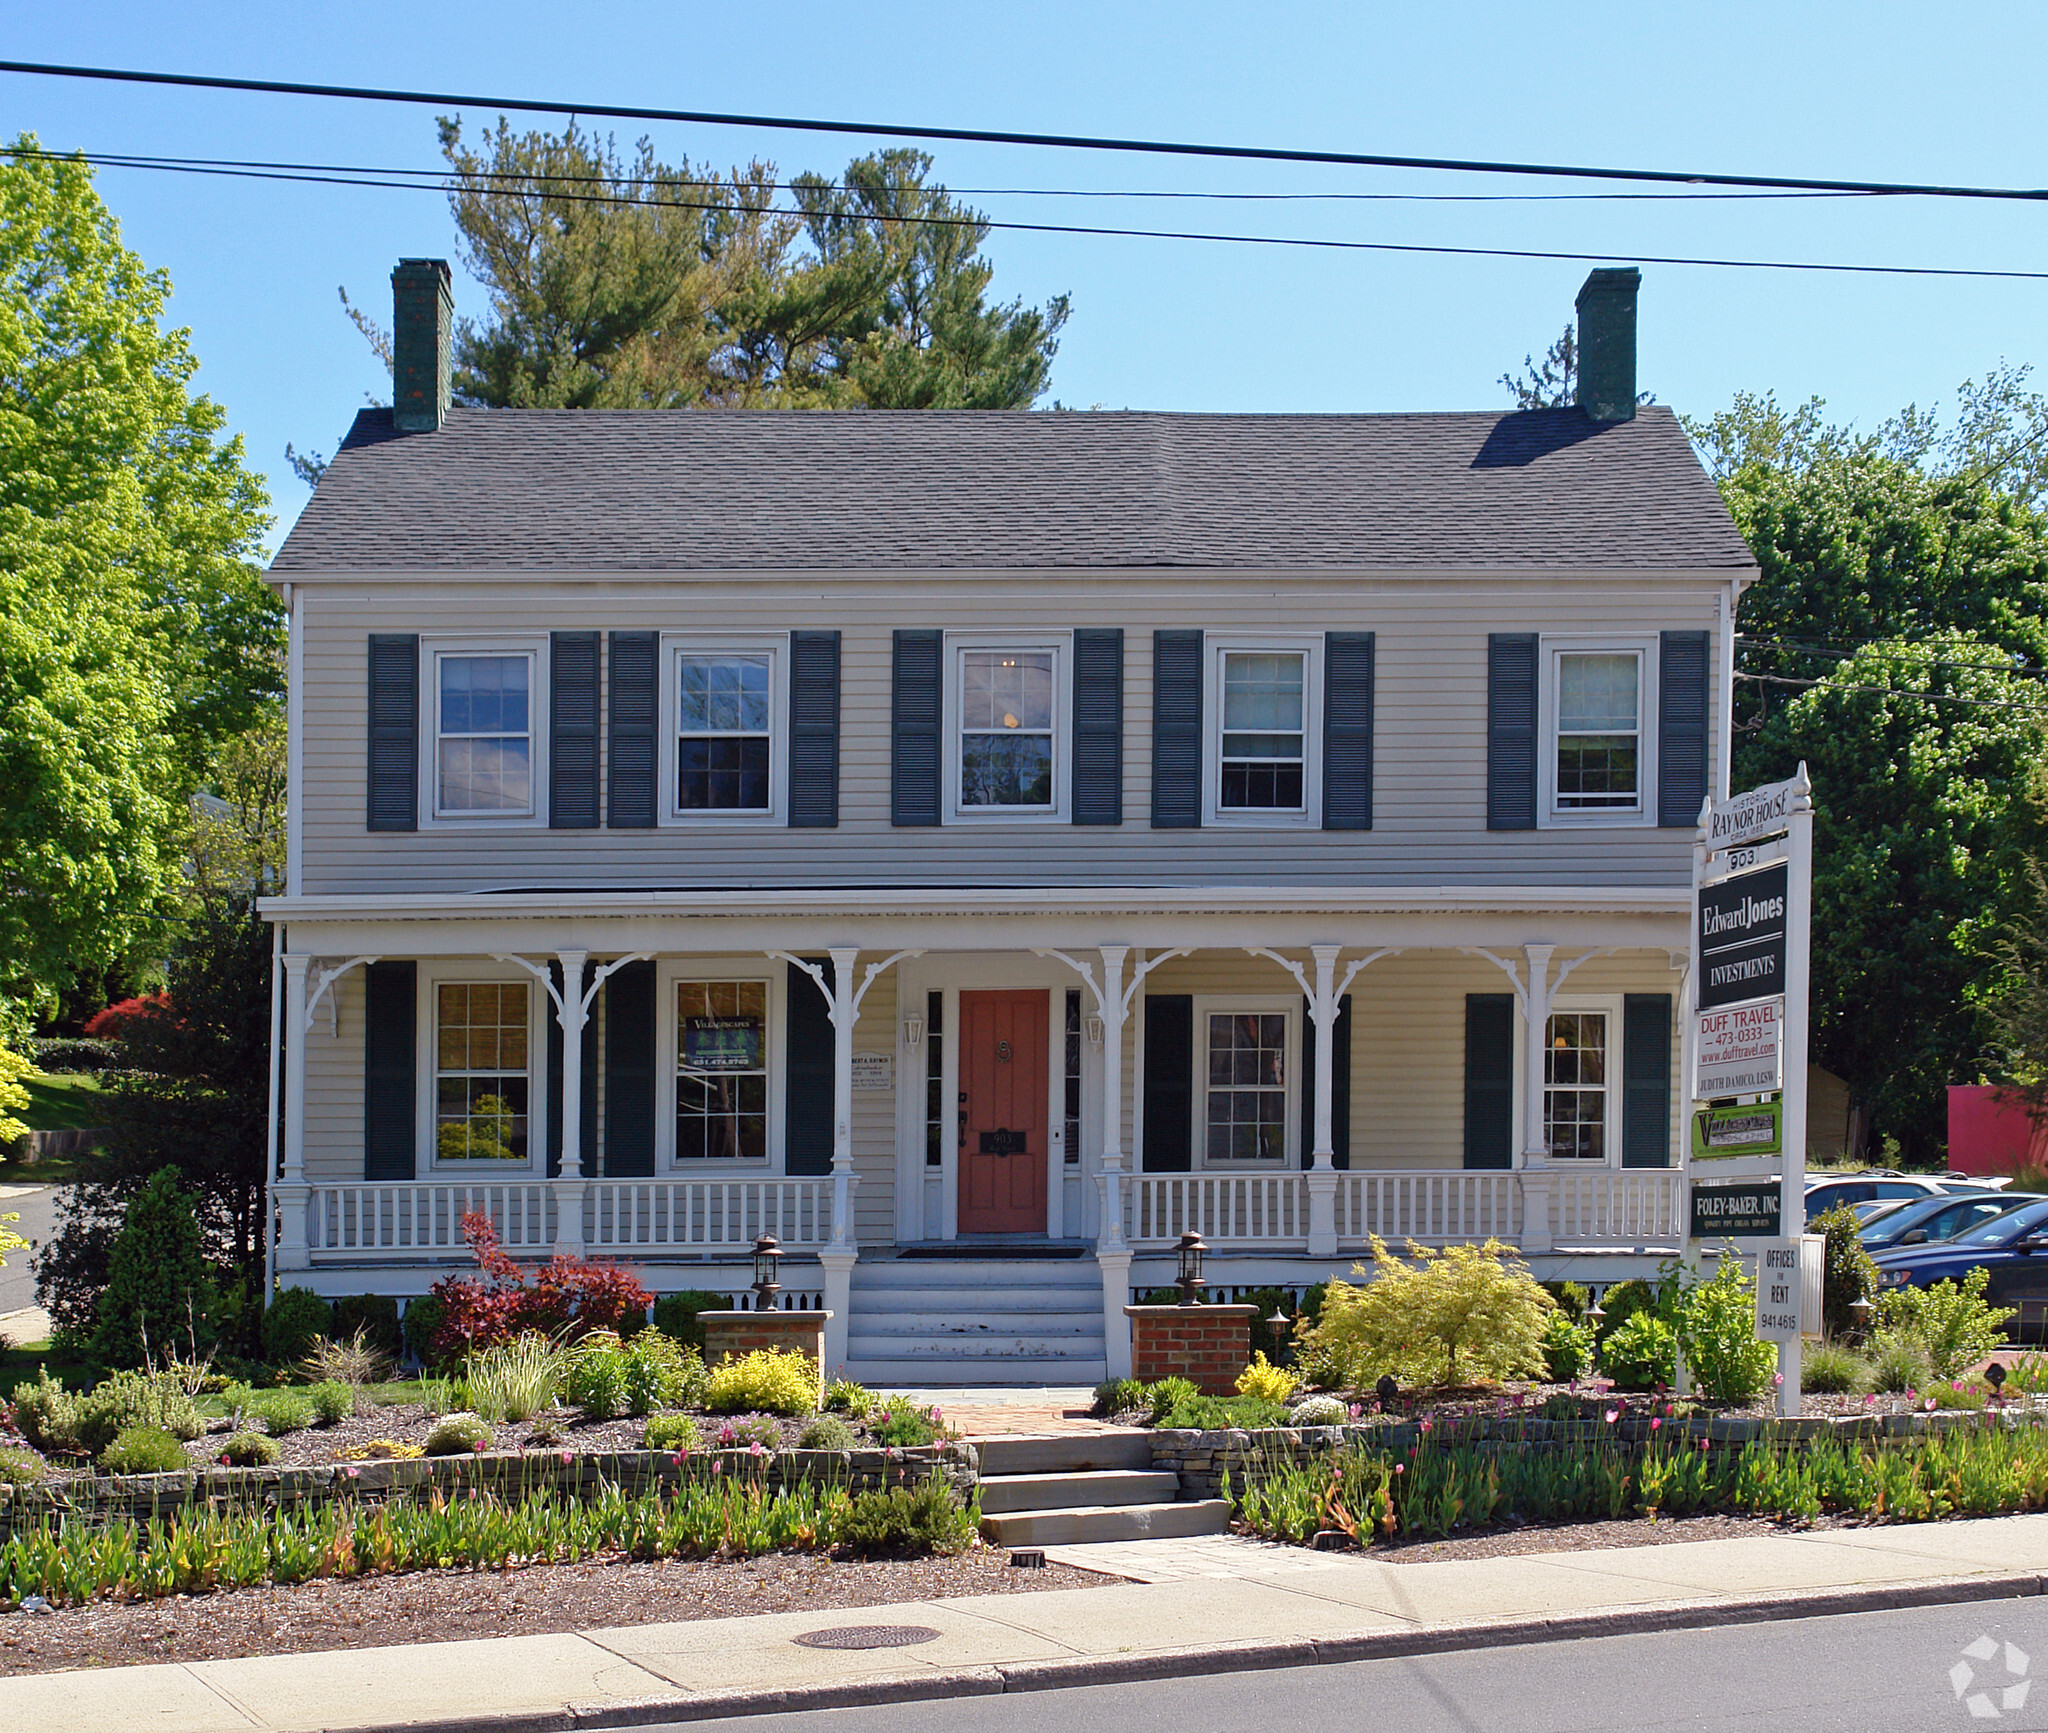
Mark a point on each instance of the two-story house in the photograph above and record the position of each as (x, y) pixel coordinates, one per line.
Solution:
(976, 847)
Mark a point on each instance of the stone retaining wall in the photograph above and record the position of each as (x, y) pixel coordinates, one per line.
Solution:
(510, 1474)
(1200, 1458)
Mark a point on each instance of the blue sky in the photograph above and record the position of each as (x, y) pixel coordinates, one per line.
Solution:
(1872, 91)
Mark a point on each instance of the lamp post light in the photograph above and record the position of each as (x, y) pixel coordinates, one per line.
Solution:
(1190, 1253)
(767, 1256)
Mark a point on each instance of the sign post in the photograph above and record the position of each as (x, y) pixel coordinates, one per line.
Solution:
(1746, 1046)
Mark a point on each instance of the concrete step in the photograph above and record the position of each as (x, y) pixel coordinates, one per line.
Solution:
(1094, 1490)
(1004, 1371)
(896, 1299)
(977, 1351)
(1052, 1327)
(1119, 1522)
(1065, 1452)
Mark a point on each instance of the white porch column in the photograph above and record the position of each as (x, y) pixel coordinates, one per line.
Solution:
(1115, 1264)
(572, 1011)
(1535, 1157)
(845, 1012)
(1114, 1005)
(292, 1251)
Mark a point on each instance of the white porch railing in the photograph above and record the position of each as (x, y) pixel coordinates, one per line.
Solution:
(414, 1218)
(641, 1213)
(1225, 1209)
(1429, 1206)
(1632, 1206)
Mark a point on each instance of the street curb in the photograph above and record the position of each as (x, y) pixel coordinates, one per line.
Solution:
(1004, 1678)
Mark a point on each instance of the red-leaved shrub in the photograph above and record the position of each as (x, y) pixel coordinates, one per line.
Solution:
(564, 1296)
(112, 1023)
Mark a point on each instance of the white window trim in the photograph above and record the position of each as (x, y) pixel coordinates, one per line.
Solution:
(1609, 1006)
(431, 975)
(535, 648)
(675, 645)
(1309, 646)
(1232, 1004)
(1060, 646)
(1644, 813)
(668, 973)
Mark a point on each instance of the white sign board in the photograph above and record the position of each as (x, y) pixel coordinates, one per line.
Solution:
(1736, 1050)
(1788, 1287)
(1758, 812)
(873, 1071)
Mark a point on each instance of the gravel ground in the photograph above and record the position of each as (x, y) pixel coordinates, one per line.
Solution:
(1580, 1537)
(439, 1606)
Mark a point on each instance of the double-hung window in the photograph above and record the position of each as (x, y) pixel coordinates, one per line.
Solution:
(721, 1070)
(482, 1071)
(724, 737)
(1006, 706)
(483, 754)
(1245, 1063)
(1263, 707)
(1599, 754)
(1577, 1107)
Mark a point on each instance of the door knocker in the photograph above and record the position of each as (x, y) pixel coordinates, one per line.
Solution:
(1003, 1052)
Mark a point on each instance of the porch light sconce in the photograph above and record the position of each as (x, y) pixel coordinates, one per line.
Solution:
(1190, 1253)
(767, 1255)
(913, 1031)
(1091, 1026)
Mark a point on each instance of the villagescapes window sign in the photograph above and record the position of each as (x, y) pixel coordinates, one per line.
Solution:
(1729, 1133)
(722, 1044)
(1742, 937)
(1742, 1212)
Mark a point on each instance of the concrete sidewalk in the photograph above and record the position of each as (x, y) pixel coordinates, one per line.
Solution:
(1218, 1605)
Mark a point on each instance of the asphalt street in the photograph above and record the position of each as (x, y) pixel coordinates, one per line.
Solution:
(38, 1211)
(1861, 1673)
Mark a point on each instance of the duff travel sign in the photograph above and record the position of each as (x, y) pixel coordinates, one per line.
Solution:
(1742, 938)
(1736, 1052)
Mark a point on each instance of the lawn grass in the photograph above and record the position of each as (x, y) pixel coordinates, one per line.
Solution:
(87, 1164)
(18, 1366)
(66, 1101)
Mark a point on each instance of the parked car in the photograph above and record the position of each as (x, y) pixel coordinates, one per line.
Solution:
(1823, 1194)
(2013, 1247)
(1926, 1221)
(1960, 1182)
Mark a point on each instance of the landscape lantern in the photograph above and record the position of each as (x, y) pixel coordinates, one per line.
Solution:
(1191, 1252)
(767, 1255)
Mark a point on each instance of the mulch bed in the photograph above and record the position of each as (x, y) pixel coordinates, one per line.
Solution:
(440, 1606)
(1584, 1537)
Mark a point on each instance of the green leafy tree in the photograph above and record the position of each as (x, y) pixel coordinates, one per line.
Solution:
(1459, 1312)
(2017, 1006)
(158, 1290)
(1553, 382)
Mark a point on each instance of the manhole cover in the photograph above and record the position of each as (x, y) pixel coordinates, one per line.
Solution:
(868, 1637)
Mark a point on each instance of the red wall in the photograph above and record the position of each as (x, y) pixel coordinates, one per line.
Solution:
(1990, 1133)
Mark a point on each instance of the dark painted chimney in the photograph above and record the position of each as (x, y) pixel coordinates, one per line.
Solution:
(422, 340)
(1607, 344)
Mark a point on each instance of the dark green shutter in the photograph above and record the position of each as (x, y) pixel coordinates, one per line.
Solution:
(1681, 729)
(1340, 1086)
(631, 756)
(1099, 726)
(813, 730)
(394, 745)
(1646, 1080)
(1169, 1082)
(1347, 730)
(629, 1072)
(1511, 731)
(588, 1132)
(807, 1075)
(1176, 731)
(572, 730)
(391, 1103)
(914, 729)
(1489, 1080)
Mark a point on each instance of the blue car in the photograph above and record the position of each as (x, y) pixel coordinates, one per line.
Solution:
(2013, 1247)
(1926, 1220)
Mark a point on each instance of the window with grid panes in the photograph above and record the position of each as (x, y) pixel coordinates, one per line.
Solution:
(1599, 731)
(1575, 1086)
(481, 1071)
(721, 1070)
(935, 1080)
(1073, 1078)
(723, 737)
(1260, 766)
(483, 735)
(1006, 728)
(1246, 1118)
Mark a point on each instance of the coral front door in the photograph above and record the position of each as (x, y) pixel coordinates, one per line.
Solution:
(1002, 1113)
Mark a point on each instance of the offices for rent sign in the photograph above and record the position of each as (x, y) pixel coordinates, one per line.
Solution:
(1736, 1051)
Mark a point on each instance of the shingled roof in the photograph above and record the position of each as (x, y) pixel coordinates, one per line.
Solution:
(693, 490)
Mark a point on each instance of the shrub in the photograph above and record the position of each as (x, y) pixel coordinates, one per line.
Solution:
(1116, 1396)
(661, 1372)
(670, 1432)
(768, 1380)
(843, 1396)
(143, 1450)
(1476, 1301)
(1716, 1329)
(1568, 1346)
(157, 1290)
(292, 1323)
(1848, 1274)
(743, 1434)
(1622, 1302)
(1956, 1395)
(1641, 1353)
(595, 1380)
(1221, 1413)
(827, 1432)
(333, 1402)
(1319, 1411)
(675, 1315)
(250, 1450)
(1275, 1341)
(567, 1297)
(281, 1411)
(515, 1380)
(1953, 1325)
(905, 1519)
(128, 1399)
(355, 1362)
(1898, 1363)
(74, 1053)
(383, 1450)
(457, 1434)
(900, 1423)
(1163, 1397)
(375, 1317)
(47, 1413)
(1830, 1369)
(1572, 1300)
(19, 1468)
(421, 1327)
(1266, 1381)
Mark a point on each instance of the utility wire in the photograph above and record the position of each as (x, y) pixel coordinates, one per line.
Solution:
(980, 135)
(1898, 692)
(1109, 231)
(1904, 654)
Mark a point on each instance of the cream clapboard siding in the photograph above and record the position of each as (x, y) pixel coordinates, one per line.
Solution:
(1430, 758)
(334, 1088)
(874, 1118)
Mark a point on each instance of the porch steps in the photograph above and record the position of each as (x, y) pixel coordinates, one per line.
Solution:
(990, 1320)
(1076, 1488)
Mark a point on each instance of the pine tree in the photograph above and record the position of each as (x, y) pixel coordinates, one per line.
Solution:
(158, 1290)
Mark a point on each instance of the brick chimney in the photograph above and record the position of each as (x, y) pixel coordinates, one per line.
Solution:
(1607, 344)
(422, 341)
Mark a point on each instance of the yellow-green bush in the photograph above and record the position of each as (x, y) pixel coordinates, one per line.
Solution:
(766, 1381)
(1268, 1382)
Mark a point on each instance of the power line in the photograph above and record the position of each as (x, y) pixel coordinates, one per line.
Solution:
(1897, 692)
(980, 135)
(1103, 230)
(1902, 654)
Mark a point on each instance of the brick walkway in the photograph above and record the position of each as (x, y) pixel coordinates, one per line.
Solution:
(993, 1412)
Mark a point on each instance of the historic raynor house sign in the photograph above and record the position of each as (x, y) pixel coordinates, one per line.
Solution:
(1742, 938)
(1759, 813)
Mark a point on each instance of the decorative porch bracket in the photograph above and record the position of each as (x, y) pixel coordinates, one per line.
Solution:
(572, 1011)
(289, 1192)
(1325, 999)
(1536, 992)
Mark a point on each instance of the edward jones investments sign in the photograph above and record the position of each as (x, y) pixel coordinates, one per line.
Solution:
(1742, 938)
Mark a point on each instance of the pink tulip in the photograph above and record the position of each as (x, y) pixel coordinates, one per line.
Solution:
(1613, 1414)
(1654, 1424)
